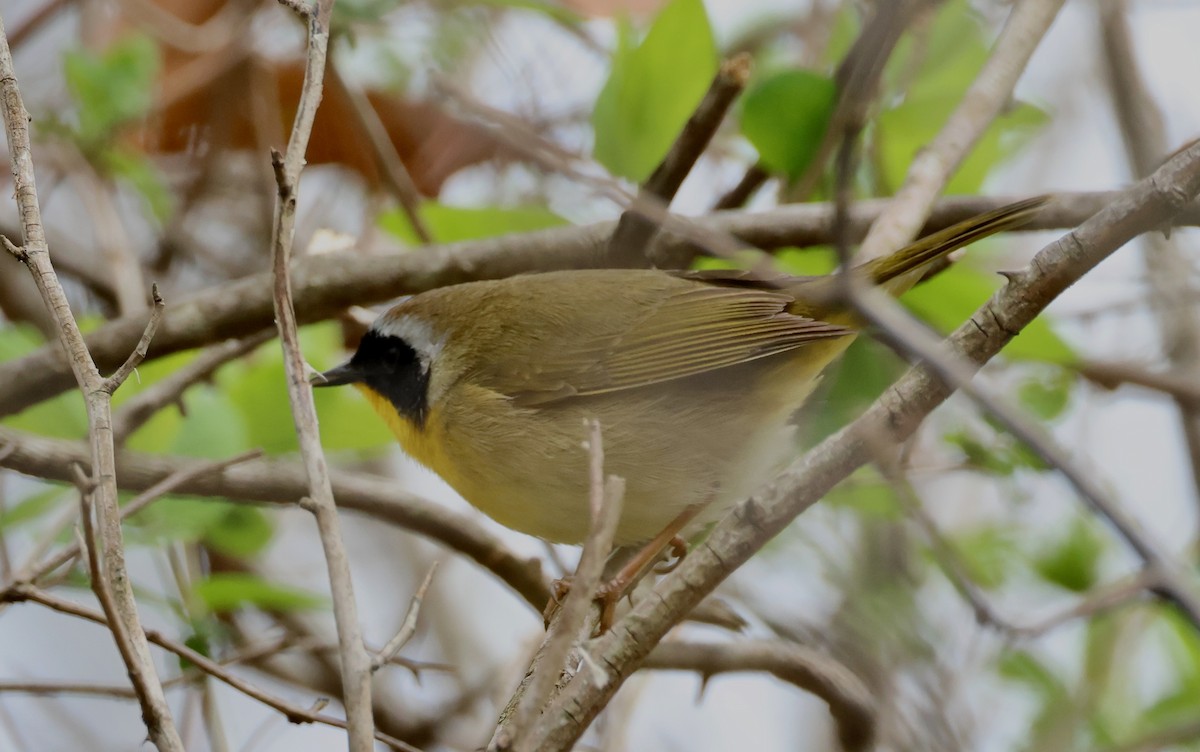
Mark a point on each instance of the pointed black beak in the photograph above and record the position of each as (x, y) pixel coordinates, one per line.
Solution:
(346, 373)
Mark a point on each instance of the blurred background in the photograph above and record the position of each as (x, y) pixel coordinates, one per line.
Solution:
(455, 121)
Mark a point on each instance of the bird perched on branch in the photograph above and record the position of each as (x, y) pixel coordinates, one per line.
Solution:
(693, 376)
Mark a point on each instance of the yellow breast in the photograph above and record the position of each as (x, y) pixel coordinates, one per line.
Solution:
(423, 444)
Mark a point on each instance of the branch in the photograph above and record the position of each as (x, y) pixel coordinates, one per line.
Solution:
(327, 284)
(1176, 736)
(408, 627)
(114, 382)
(896, 415)
(629, 241)
(1168, 270)
(1110, 375)
(49, 689)
(294, 713)
(278, 482)
(35, 254)
(1099, 599)
(857, 78)
(754, 178)
(142, 684)
(850, 701)
(901, 328)
(984, 100)
(355, 663)
(392, 169)
(31, 573)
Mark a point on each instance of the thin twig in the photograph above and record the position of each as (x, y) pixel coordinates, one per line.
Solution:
(981, 104)
(944, 553)
(47, 688)
(567, 628)
(127, 628)
(737, 196)
(630, 239)
(858, 78)
(30, 574)
(539, 150)
(112, 244)
(391, 167)
(1100, 599)
(899, 327)
(103, 590)
(36, 21)
(294, 713)
(408, 627)
(280, 482)
(1110, 375)
(355, 663)
(114, 382)
(850, 701)
(169, 391)
(1177, 736)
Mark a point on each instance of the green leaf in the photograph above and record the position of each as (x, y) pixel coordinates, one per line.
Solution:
(233, 529)
(947, 62)
(227, 592)
(30, 508)
(1177, 705)
(1055, 713)
(1174, 710)
(242, 531)
(214, 428)
(948, 59)
(1020, 666)
(653, 88)
(363, 11)
(907, 129)
(176, 518)
(1182, 643)
(848, 387)
(451, 224)
(257, 390)
(140, 172)
(111, 88)
(811, 261)
(198, 642)
(867, 495)
(1073, 561)
(785, 117)
(989, 554)
(844, 30)
(64, 416)
(949, 299)
(1048, 395)
(977, 455)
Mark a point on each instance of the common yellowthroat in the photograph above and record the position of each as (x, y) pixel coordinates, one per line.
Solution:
(693, 376)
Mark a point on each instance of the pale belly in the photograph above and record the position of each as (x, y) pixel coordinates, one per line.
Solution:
(707, 444)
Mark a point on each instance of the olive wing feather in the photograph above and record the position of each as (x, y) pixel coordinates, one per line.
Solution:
(688, 332)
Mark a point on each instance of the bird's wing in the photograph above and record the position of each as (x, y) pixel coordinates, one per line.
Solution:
(691, 329)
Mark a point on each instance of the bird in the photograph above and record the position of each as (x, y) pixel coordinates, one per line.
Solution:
(693, 376)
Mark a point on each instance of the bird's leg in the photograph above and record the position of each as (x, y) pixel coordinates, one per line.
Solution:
(642, 562)
(637, 567)
(679, 550)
